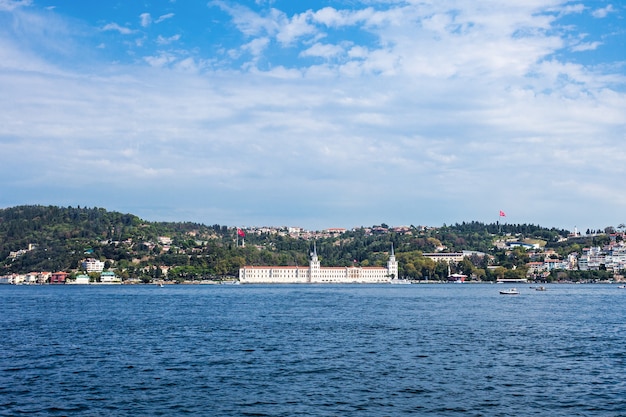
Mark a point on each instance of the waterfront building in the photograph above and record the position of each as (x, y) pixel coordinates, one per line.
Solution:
(12, 279)
(58, 277)
(109, 277)
(82, 279)
(316, 274)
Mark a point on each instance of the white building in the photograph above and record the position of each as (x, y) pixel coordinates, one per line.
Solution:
(7, 279)
(616, 259)
(455, 257)
(109, 277)
(82, 279)
(165, 240)
(316, 274)
(93, 265)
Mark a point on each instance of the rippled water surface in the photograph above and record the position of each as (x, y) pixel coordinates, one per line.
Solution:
(357, 350)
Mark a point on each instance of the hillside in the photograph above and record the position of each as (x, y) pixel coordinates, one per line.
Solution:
(49, 238)
(60, 237)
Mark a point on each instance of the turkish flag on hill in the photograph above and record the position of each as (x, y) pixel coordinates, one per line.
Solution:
(241, 233)
(502, 214)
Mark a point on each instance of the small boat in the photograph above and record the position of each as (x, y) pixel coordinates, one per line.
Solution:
(400, 281)
(621, 286)
(542, 288)
(510, 291)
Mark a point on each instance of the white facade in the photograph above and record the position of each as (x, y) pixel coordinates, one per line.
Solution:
(613, 258)
(7, 279)
(316, 274)
(109, 278)
(445, 256)
(93, 265)
(82, 279)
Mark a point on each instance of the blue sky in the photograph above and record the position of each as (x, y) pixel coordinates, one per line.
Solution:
(317, 113)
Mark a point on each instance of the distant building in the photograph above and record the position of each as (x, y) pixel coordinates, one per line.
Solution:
(58, 277)
(43, 277)
(523, 245)
(335, 231)
(7, 279)
(82, 279)
(554, 264)
(445, 257)
(612, 258)
(314, 273)
(457, 278)
(93, 265)
(109, 277)
(536, 267)
(165, 240)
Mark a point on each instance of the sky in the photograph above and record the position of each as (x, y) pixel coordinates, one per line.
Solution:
(315, 113)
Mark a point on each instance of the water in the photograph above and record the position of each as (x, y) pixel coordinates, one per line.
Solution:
(354, 350)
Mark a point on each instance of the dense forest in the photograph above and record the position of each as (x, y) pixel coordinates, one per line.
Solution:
(49, 238)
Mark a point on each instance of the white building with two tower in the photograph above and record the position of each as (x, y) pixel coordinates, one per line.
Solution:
(316, 274)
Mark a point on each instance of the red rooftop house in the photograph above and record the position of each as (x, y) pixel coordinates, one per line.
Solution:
(58, 277)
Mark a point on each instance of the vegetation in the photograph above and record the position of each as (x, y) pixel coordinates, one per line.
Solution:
(49, 238)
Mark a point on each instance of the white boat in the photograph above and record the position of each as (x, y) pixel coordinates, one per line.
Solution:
(400, 281)
(542, 288)
(510, 291)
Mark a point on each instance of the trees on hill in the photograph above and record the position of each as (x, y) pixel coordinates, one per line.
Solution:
(60, 237)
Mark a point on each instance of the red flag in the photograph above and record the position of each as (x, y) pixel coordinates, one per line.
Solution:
(240, 233)
(502, 214)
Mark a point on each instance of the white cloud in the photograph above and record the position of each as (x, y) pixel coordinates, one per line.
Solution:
(160, 60)
(188, 64)
(603, 12)
(166, 41)
(10, 5)
(164, 17)
(256, 46)
(145, 19)
(586, 46)
(117, 28)
(323, 51)
(423, 103)
(569, 9)
(249, 22)
(293, 29)
(334, 18)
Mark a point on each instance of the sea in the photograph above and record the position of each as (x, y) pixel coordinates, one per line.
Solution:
(312, 350)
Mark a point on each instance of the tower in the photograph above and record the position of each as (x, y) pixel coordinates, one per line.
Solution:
(392, 265)
(314, 266)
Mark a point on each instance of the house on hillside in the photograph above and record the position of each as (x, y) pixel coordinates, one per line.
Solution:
(92, 265)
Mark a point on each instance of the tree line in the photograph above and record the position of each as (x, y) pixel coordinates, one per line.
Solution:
(64, 236)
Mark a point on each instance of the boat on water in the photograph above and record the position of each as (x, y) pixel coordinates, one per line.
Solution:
(542, 288)
(400, 281)
(621, 286)
(510, 291)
